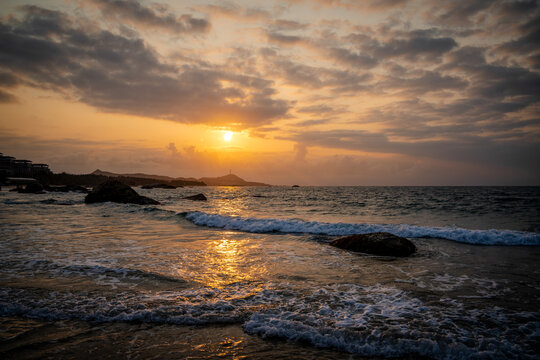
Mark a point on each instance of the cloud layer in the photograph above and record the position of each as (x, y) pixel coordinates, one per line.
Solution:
(455, 82)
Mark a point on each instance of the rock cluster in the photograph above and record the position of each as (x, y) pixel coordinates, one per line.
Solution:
(115, 191)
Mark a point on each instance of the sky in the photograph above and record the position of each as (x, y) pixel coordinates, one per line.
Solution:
(313, 92)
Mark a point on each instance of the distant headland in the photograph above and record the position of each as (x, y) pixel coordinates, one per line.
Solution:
(11, 167)
(226, 180)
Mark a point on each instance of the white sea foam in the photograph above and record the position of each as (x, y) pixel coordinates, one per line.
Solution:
(375, 320)
(261, 225)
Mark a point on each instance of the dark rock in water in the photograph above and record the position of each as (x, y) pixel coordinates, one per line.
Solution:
(198, 197)
(32, 188)
(115, 191)
(48, 201)
(296, 186)
(54, 202)
(379, 243)
(158, 186)
(67, 188)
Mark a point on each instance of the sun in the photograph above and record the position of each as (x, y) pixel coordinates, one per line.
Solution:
(227, 136)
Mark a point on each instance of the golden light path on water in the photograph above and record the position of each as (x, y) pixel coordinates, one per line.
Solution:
(229, 259)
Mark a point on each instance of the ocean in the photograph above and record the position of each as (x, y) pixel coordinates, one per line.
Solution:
(250, 274)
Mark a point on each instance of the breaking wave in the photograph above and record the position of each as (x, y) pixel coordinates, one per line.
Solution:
(261, 225)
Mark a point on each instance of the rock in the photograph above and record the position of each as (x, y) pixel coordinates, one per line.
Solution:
(158, 186)
(379, 243)
(54, 202)
(115, 191)
(67, 188)
(32, 188)
(198, 197)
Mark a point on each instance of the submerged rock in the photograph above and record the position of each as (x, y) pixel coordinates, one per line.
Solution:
(55, 202)
(198, 197)
(32, 188)
(115, 191)
(158, 186)
(67, 188)
(378, 243)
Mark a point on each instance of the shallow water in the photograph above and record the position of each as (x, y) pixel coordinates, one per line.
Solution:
(263, 282)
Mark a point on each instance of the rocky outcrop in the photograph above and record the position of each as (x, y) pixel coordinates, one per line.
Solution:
(32, 188)
(158, 186)
(379, 243)
(198, 197)
(115, 191)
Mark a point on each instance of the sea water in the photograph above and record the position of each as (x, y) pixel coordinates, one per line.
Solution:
(249, 273)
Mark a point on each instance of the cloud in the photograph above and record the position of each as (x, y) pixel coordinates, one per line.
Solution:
(473, 149)
(315, 77)
(458, 12)
(413, 48)
(312, 122)
(116, 73)
(300, 152)
(317, 109)
(232, 10)
(424, 82)
(359, 60)
(370, 5)
(139, 15)
(281, 39)
(527, 43)
(6, 97)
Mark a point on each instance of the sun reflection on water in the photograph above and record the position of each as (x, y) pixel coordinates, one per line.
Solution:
(228, 261)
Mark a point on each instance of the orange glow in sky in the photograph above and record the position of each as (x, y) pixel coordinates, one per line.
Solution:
(310, 91)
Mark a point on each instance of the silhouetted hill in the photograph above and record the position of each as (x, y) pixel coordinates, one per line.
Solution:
(145, 176)
(229, 180)
(135, 175)
(226, 180)
(98, 177)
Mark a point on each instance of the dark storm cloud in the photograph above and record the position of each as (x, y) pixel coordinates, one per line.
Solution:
(133, 11)
(120, 74)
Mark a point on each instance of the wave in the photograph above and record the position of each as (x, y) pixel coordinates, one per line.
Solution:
(373, 321)
(261, 225)
(89, 270)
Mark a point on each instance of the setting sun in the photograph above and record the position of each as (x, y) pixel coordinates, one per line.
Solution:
(227, 136)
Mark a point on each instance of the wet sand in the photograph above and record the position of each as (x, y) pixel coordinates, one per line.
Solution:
(32, 339)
